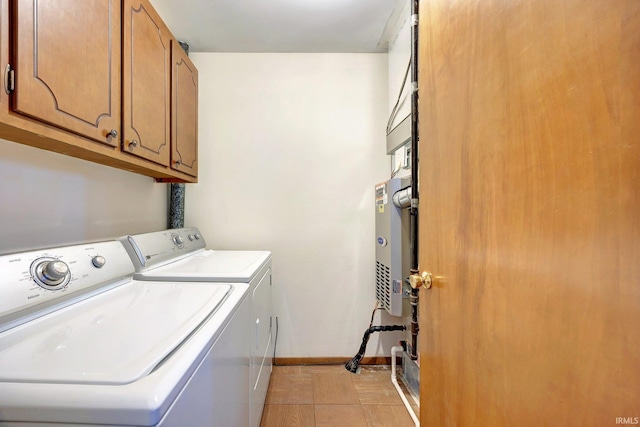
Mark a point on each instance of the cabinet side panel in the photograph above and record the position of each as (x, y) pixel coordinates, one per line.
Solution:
(4, 45)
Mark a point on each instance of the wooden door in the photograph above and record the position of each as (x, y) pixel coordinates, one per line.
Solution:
(530, 212)
(67, 65)
(184, 112)
(146, 78)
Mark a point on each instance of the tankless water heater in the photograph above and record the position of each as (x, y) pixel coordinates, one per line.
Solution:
(392, 247)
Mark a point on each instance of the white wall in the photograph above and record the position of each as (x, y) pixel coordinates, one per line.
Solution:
(291, 146)
(399, 55)
(47, 199)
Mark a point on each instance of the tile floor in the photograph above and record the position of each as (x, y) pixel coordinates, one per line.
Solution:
(329, 396)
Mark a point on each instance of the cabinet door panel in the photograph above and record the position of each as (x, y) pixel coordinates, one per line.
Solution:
(146, 83)
(67, 63)
(184, 100)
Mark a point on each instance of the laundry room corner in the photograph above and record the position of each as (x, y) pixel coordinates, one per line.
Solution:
(293, 144)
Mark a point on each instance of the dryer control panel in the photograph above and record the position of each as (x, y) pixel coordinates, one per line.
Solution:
(32, 283)
(158, 248)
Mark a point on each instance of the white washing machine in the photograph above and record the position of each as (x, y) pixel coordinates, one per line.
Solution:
(84, 344)
(181, 255)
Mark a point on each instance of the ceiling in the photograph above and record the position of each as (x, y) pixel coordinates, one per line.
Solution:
(281, 25)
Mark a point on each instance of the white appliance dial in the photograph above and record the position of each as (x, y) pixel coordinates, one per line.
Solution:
(50, 273)
(98, 261)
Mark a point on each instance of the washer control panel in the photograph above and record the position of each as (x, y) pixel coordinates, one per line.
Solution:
(33, 280)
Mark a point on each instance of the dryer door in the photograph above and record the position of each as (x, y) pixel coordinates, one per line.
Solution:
(261, 345)
(208, 265)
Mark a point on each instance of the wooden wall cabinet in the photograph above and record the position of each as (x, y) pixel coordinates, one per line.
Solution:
(184, 119)
(69, 81)
(93, 79)
(146, 80)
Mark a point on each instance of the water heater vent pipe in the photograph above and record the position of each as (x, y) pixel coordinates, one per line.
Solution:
(402, 198)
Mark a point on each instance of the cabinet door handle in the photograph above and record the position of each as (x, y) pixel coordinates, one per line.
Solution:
(112, 133)
(178, 163)
(133, 143)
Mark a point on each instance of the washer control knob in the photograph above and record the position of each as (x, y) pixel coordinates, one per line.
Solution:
(178, 240)
(191, 237)
(98, 261)
(197, 236)
(53, 273)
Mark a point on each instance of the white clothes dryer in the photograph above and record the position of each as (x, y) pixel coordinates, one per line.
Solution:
(181, 255)
(84, 344)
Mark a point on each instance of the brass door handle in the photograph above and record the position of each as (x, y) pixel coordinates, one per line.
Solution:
(417, 280)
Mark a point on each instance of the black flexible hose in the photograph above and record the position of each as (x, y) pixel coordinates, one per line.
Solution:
(353, 364)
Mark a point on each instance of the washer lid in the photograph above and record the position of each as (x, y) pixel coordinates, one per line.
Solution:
(224, 266)
(113, 338)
